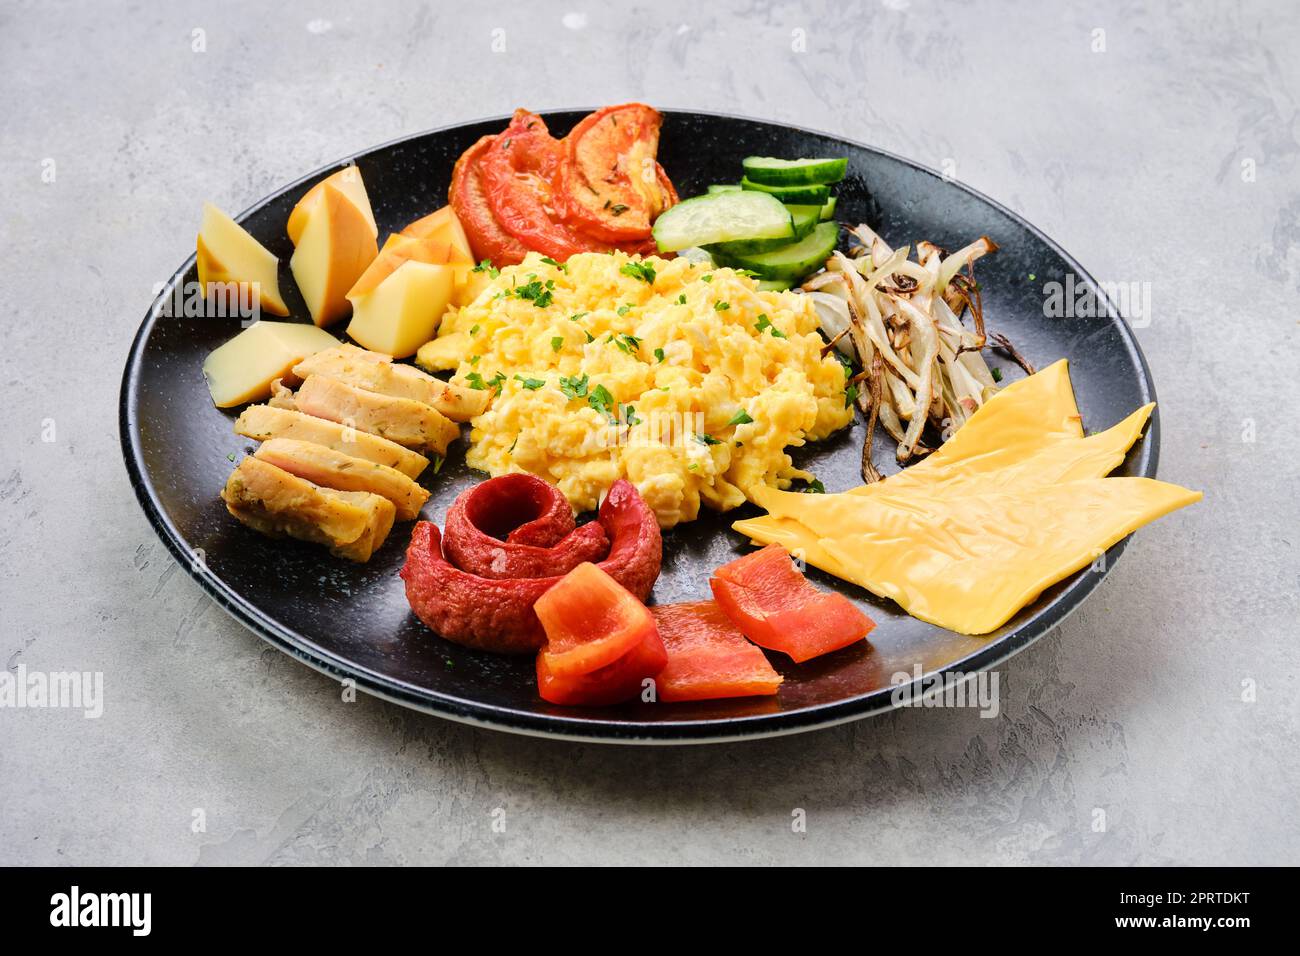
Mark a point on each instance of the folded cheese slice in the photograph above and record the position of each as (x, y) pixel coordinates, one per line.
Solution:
(969, 563)
(1057, 460)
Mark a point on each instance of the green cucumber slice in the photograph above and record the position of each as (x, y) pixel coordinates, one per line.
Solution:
(828, 210)
(794, 172)
(804, 219)
(722, 217)
(792, 262)
(724, 188)
(774, 285)
(798, 195)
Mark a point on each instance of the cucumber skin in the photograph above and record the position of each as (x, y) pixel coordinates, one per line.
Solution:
(723, 188)
(824, 171)
(793, 195)
(663, 227)
(804, 218)
(777, 264)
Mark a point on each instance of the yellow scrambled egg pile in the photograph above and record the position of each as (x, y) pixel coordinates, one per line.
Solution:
(682, 378)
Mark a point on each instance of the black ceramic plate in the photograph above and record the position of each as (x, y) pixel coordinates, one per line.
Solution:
(352, 621)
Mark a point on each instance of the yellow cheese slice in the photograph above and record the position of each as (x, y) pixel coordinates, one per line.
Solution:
(968, 564)
(243, 369)
(403, 311)
(347, 181)
(1061, 459)
(333, 248)
(228, 255)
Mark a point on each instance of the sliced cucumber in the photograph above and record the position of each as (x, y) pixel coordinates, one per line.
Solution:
(774, 285)
(794, 172)
(724, 188)
(722, 217)
(797, 195)
(828, 210)
(804, 219)
(792, 262)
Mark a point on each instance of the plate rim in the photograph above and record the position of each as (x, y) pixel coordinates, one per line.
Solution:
(578, 728)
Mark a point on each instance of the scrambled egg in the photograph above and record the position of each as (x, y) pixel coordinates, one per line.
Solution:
(684, 379)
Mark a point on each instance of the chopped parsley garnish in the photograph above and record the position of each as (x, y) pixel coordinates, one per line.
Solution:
(850, 395)
(557, 343)
(764, 324)
(630, 416)
(996, 373)
(707, 278)
(532, 384)
(639, 270)
(536, 291)
(551, 262)
(511, 450)
(576, 316)
(707, 440)
(438, 462)
(740, 418)
(681, 299)
(628, 343)
(625, 308)
(574, 387)
(618, 209)
(486, 266)
(602, 401)
(474, 359)
(590, 337)
(659, 355)
(473, 330)
(815, 487)
(721, 306)
(476, 380)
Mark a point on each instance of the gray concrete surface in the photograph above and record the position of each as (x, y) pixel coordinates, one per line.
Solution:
(1170, 156)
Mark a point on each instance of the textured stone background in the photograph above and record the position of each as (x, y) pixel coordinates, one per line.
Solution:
(1137, 159)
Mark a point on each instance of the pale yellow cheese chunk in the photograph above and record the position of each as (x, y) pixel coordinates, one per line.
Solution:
(228, 255)
(403, 312)
(347, 181)
(242, 370)
(333, 249)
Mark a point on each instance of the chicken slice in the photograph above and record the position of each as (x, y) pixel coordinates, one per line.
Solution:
(376, 372)
(408, 423)
(352, 524)
(333, 469)
(263, 422)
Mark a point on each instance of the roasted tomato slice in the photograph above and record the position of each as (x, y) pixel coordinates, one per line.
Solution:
(517, 171)
(778, 609)
(468, 198)
(612, 186)
(708, 656)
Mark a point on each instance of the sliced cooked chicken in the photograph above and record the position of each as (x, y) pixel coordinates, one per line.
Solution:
(376, 372)
(408, 423)
(281, 396)
(333, 469)
(352, 524)
(262, 422)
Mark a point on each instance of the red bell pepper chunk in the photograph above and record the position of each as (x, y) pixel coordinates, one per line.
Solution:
(601, 641)
(776, 607)
(708, 656)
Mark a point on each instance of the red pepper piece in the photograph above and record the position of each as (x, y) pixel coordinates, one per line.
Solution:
(776, 607)
(708, 656)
